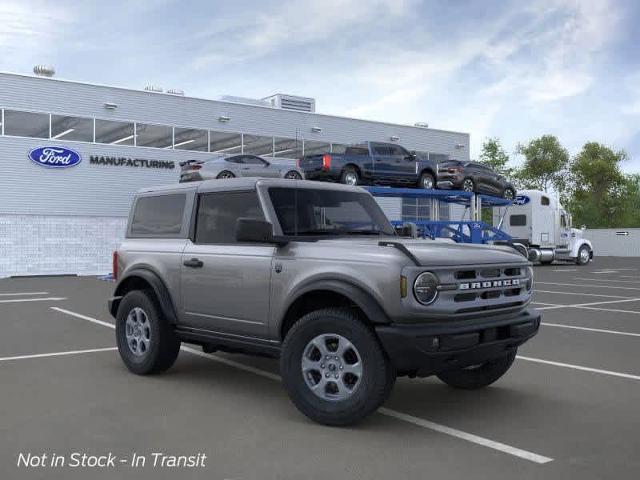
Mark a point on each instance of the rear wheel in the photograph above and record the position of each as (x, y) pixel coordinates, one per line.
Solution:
(468, 185)
(333, 367)
(427, 181)
(349, 176)
(225, 174)
(584, 255)
(146, 342)
(479, 376)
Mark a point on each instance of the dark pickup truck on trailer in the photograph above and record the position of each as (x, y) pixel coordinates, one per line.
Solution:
(372, 163)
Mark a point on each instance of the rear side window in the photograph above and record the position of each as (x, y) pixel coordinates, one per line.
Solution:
(158, 215)
(544, 200)
(357, 151)
(518, 220)
(218, 213)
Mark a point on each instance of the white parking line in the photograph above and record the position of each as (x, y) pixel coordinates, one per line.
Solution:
(16, 294)
(588, 329)
(565, 270)
(517, 452)
(20, 300)
(589, 286)
(608, 280)
(615, 310)
(56, 354)
(552, 306)
(581, 294)
(580, 367)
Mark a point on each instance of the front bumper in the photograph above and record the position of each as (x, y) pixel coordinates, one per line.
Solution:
(428, 349)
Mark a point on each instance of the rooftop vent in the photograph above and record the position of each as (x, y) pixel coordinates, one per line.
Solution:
(44, 70)
(421, 124)
(245, 100)
(153, 88)
(175, 91)
(292, 102)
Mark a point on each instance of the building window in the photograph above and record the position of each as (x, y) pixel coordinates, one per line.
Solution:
(71, 128)
(114, 133)
(287, 148)
(257, 145)
(190, 139)
(26, 124)
(157, 136)
(316, 148)
(225, 142)
(416, 209)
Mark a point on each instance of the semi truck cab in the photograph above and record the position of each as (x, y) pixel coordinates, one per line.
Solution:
(538, 221)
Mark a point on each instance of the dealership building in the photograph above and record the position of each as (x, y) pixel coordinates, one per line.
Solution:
(72, 154)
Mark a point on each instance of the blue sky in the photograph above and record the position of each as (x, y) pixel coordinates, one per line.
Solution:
(514, 70)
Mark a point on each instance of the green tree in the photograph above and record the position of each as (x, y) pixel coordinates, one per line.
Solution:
(494, 156)
(601, 195)
(545, 164)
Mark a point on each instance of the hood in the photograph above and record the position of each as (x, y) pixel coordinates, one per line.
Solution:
(439, 252)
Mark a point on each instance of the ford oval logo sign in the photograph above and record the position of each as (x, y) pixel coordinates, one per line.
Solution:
(521, 200)
(55, 157)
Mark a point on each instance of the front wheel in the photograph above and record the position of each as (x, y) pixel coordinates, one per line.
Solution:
(334, 368)
(293, 175)
(146, 342)
(479, 376)
(584, 255)
(427, 181)
(468, 185)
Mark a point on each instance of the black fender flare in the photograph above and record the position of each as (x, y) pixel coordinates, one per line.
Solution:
(364, 300)
(157, 285)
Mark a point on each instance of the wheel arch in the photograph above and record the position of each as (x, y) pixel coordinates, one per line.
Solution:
(354, 166)
(328, 293)
(144, 279)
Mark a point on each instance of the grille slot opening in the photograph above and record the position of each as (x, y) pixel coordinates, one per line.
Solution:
(465, 297)
(512, 292)
(491, 294)
(466, 274)
(490, 272)
(512, 272)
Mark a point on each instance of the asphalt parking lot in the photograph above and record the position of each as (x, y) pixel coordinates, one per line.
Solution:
(569, 407)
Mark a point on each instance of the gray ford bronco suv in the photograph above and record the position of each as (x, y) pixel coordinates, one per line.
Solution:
(313, 273)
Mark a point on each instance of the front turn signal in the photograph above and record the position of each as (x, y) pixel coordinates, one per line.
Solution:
(403, 286)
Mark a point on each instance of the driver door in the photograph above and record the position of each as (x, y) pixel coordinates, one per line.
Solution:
(226, 284)
(254, 166)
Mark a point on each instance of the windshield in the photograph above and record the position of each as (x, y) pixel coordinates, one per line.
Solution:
(304, 211)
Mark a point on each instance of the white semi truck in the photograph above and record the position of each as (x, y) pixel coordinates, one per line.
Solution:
(537, 221)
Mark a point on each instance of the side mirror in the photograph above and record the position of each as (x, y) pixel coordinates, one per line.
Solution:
(254, 230)
(408, 229)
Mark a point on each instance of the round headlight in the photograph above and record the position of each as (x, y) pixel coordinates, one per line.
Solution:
(529, 279)
(425, 288)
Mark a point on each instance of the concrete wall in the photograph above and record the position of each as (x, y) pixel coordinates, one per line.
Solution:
(615, 242)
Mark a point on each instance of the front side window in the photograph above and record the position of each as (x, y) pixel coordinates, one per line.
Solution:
(26, 124)
(218, 213)
(158, 215)
(381, 150)
(544, 201)
(398, 151)
(303, 211)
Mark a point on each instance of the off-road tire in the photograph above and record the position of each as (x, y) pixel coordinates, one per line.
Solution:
(480, 376)
(164, 344)
(345, 175)
(425, 177)
(378, 375)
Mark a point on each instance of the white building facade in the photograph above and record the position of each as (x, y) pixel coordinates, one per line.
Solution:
(67, 217)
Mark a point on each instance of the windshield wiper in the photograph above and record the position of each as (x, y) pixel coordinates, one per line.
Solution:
(361, 232)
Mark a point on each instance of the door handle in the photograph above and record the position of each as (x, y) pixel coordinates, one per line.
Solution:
(193, 263)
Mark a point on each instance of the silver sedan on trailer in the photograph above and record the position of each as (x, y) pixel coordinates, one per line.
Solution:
(225, 166)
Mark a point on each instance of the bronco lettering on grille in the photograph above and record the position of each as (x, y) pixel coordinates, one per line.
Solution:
(514, 282)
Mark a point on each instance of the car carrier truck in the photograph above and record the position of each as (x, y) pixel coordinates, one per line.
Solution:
(537, 221)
